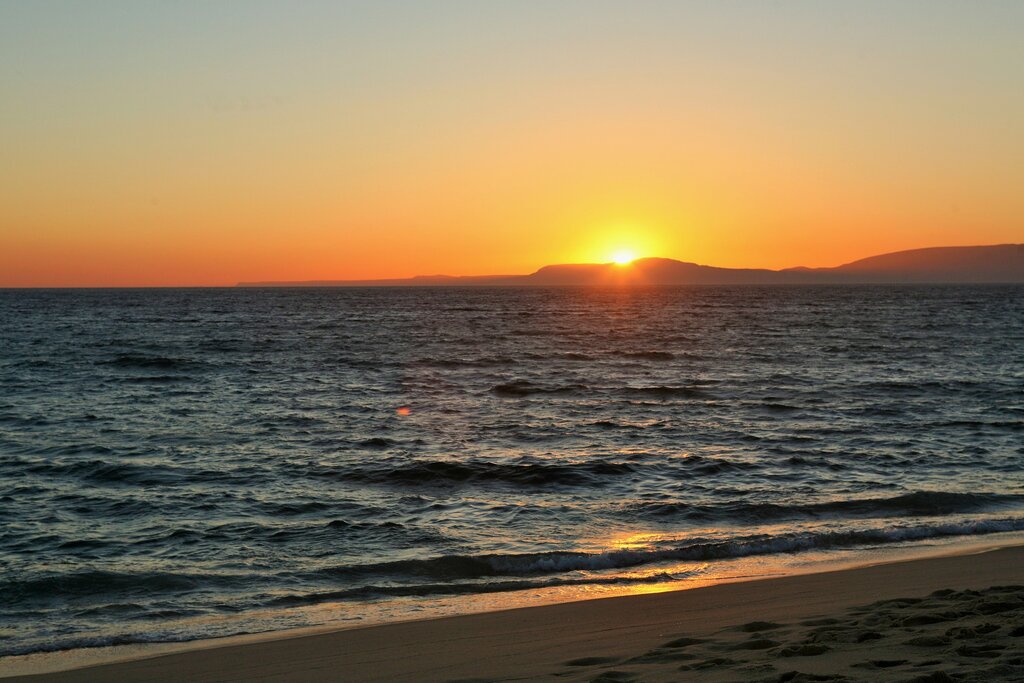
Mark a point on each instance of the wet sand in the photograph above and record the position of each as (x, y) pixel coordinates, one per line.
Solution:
(938, 619)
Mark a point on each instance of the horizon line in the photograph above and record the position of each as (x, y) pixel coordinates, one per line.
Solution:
(407, 280)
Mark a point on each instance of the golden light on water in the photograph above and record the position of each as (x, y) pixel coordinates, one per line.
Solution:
(633, 541)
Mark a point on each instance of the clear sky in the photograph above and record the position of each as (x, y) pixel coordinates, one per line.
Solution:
(179, 142)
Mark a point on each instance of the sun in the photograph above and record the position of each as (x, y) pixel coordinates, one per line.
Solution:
(623, 257)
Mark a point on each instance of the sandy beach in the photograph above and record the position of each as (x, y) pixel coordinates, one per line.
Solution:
(938, 619)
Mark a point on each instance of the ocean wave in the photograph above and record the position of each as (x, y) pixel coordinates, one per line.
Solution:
(307, 534)
(296, 508)
(645, 355)
(364, 363)
(464, 362)
(137, 473)
(1015, 425)
(60, 644)
(571, 355)
(931, 387)
(630, 425)
(777, 407)
(56, 587)
(87, 583)
(105, 472)
(667, 391)
(145, 362)
(467, 588)
(136, 612)
(155, 379)
(522, 388)
(441, 472)
(376, 442)
(701, 466)
(456, 567)
(461, 575)
(918, 503)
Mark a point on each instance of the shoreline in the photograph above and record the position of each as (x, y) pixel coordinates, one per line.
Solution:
(527, 640)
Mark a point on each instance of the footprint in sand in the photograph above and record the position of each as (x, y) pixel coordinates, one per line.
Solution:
(881, 663)
(926, 619)
(655, 656)
(684, 642)
(800, 677)
(612, 676)
(929, 641)
(868, 636)
(758, 626)
(934, 677)
(708, 664)
(806, 650)
(986, 650)
(979, 631)
(754, 644)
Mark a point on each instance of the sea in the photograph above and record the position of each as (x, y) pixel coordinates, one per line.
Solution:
(178, 464)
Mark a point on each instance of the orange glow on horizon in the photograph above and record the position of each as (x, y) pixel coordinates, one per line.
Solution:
(147, 147)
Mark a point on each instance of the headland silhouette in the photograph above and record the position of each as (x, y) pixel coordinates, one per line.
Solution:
(973, 264)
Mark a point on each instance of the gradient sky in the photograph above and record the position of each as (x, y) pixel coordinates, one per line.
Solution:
(174, 142)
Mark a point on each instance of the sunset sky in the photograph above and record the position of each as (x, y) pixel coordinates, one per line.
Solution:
(194, 143)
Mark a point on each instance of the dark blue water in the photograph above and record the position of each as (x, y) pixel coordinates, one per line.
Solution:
(185, 463)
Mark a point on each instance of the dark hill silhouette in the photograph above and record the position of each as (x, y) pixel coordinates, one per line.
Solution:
(997, 263)
(653, 271)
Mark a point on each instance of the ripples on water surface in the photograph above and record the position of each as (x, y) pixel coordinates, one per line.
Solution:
(185, 463)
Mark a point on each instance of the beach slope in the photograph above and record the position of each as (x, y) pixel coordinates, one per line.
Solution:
(937, 619)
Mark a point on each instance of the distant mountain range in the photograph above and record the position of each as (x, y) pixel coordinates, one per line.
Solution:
(996, 263)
